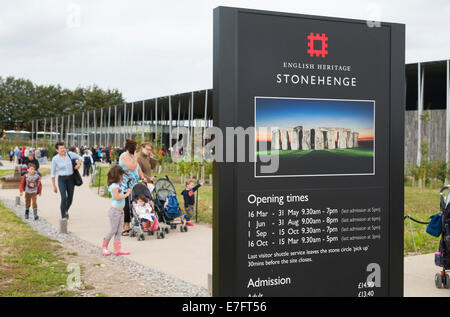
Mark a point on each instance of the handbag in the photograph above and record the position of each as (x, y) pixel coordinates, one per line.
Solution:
(76, 173)
(435, 225)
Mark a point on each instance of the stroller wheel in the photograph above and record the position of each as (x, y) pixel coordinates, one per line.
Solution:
(163, 235)
(185, 228)
(158, 235)
(150, 233)
(132, 233)
(446, 281)
(167, 229)
(142, 236)
(438, 280)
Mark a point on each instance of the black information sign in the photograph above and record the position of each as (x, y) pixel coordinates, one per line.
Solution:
(316, 207)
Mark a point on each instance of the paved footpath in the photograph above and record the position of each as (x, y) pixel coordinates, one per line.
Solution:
(187, 256)
(419, 277)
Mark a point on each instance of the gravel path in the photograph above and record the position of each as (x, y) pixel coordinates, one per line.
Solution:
(163, 284)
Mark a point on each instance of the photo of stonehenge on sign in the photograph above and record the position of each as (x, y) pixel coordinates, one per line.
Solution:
(323, 137)
(299, 138)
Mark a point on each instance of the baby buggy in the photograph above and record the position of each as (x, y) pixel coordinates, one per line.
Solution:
(136, 225)
(442, 258)
(166, 205)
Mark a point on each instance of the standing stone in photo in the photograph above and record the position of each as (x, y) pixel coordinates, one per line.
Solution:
(299, 131)
(295, 138)
(342, 139)
(275, 143)
(318, 140)
(284, 140)
(331, 139)
(306, 139)
(355, 139)
(349, 139)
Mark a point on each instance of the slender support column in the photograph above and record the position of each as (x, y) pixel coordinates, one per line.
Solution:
(447, 153)
(68, 132)
(170, 122)
(205, 123)
(45, 131)
(143, 119)
(95, 129)
(115, 125)
(178, 121)
(101, 126)
(82, 130)
(36, 127)
(88, 130)
(188, 143)
(131, 121)
(156, 120)
(57, 130)
(420, 79)
(108, 143)
(124, 121)
(32, 133)
(73, 130)
(51, 130)
(62, 129)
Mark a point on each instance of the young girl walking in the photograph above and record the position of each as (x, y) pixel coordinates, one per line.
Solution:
(115, 213)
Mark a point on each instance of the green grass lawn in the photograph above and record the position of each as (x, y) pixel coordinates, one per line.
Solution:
(44, 172)
(6, 172)
(29, 263)
(420, 204)
(343, 152)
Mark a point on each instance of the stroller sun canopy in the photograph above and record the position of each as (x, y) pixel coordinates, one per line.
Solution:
(163, 188)
(140, 189)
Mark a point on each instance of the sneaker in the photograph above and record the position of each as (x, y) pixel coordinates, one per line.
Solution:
(27, 215)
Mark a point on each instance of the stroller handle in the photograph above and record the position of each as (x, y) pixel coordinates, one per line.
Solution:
(444, 188)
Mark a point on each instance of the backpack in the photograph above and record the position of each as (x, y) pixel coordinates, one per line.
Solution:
(87, 160)
(172, 206)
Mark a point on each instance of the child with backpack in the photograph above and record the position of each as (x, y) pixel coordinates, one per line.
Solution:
(31, 185)
(189, 200)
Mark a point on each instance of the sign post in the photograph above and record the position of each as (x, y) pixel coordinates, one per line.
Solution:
(316, 206)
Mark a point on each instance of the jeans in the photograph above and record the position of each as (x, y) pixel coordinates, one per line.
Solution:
(66, 187)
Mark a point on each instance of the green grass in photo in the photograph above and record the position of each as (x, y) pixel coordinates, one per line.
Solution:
(29, 263)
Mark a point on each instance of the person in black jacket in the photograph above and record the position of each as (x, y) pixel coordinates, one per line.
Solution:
(30, 159)
(189, 200)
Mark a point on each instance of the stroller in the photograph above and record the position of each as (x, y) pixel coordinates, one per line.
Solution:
(166, 205)
(136, 226)
(442, 258)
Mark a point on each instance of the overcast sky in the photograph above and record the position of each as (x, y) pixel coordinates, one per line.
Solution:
(155, 48)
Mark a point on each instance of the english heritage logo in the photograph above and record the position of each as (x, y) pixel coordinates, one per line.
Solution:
(324, 45)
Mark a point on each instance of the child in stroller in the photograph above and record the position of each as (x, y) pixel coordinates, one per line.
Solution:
(141, 202)
(144, 210)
